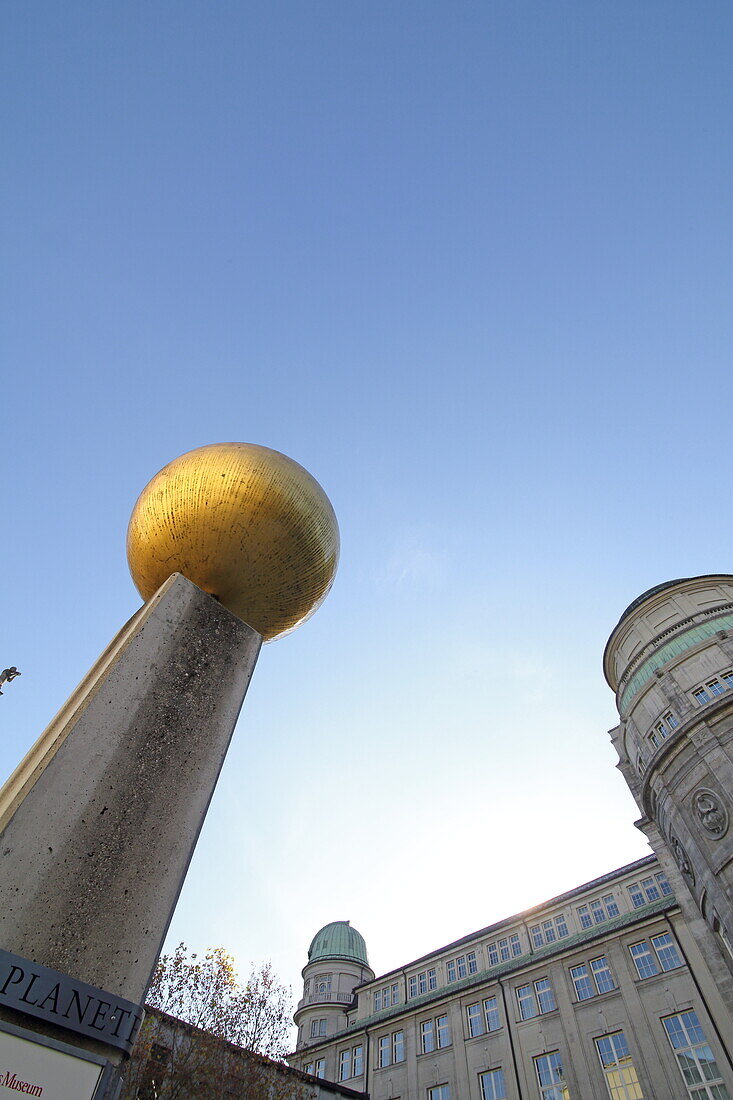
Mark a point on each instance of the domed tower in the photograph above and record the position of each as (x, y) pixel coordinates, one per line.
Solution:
(670, 662)
(337, 963)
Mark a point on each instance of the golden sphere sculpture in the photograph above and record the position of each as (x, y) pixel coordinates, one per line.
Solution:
(244, 523)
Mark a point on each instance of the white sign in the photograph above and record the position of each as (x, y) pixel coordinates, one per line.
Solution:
(34, 1070)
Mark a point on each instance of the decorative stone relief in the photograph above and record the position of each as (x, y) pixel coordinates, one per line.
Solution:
(711, 811)
(681, 859)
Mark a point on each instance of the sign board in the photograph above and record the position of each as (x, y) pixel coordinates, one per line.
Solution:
(31, 1069)
(61, 1000)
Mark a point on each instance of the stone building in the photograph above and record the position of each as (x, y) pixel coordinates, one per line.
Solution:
(621, 988)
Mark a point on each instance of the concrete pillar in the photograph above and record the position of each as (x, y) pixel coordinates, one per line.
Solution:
(99, 822)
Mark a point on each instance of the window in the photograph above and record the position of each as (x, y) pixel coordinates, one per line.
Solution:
(586, 921)
(492, 1085)
(308, 1067)
(439, 1092)
(398, 1046)
(318, 1027)
(322, 983)
(351, 1063)
(701, 696)
(670, 718)
(434, 1034)
(618, 1069)
(715, 687)
(483, 1017)
(612, 909)
(422, 983)
(598, 979)
(319, 1068)
(550, 1077)
(694, 1057)
(644, 961)
(536, 998)
(386, 996)
(345, 1065)
(549, 931)
(666, 951)
(602, 975)
(462, 966)
(306, 987)
(727, 678)
(649, 889)
(504, 950)
(581, 980)
(665, 956)
(384, 1052)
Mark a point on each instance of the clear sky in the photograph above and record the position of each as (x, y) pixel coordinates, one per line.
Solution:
(470, 264)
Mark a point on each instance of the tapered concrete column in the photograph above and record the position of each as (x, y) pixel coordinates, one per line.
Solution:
(99, 822)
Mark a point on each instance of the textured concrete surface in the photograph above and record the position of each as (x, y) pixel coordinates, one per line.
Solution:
(100, 820)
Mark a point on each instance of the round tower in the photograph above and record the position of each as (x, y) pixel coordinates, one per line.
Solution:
(670, 662)
(337, 963)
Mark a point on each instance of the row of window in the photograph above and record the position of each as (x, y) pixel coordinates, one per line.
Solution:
(695, 1061)
(707, 691)
(542, 934)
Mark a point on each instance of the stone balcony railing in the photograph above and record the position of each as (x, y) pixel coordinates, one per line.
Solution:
(333, 997)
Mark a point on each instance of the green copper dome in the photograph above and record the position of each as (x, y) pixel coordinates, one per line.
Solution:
(338, 941)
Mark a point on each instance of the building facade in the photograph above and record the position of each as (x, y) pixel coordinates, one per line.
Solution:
(621, 988)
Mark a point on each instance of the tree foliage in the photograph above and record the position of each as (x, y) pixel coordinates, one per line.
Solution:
(210, 1037)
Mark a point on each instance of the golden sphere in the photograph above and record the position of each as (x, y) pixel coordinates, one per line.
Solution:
(246, 524)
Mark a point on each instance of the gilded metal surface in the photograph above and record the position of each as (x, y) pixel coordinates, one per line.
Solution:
(244, 523)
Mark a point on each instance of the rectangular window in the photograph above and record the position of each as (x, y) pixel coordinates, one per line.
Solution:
(581, 980)
(491, 1014)
(599, 913)
(727, 678)
(611, 907)
(383, 1051)
(493, 954)
(504, 950)
(663, 884)
(666, 951)
(550, 1077)
(442, 1029)
(602, 975)
(422, 983)
(671, 720)
(319, 1070)
(649, 887)
(308, 1067)
(439, 1092)
(660, 733)
(560, 924)
(586, 921)
(462, 966)
(515, 945)
(492, 1085)
(644, 961)
(537, 938)
(472, 964)
(413, 986)
(695, 1059)
(427, 1036)
(549, 931)
(526, 1001)
(462, 969)
(636, 895)
(450, 970)
(345, 1065)
(357, 1061)
(701, 696)
(545, 995)
(474, 1020)
(622, 1081)
(715, 687)
(318, 1027)
(398, 1046)
(535, 998)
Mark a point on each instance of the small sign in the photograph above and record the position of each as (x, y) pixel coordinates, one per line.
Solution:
(49, 995)
(31, 1069)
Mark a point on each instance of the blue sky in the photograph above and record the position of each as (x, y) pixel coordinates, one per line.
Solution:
(470, 264)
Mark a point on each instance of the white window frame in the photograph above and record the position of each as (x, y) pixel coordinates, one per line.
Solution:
(556, 1088)
(687, 1053)
(492, 1084)
(622, 1080)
